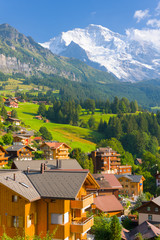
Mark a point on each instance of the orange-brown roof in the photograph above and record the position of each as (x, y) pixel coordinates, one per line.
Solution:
(108, 203)
(107, 181)
(113, 181)
(55, 144)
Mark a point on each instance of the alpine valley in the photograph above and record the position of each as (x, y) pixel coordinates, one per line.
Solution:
(84, 63)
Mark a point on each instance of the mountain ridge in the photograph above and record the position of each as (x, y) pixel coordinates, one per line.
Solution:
(19, 53)
(122, 55)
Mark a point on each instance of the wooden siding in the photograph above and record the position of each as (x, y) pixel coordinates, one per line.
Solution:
(8, 209)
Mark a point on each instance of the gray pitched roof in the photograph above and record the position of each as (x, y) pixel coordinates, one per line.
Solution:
(58, 184)
(133, 178)
(156, 200)
(50, 164)
(21, 185)
(17, 148)
(148, 231)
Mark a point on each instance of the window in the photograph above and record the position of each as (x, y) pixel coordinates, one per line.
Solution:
(66, 217)
(148, 209)
(120, 180)
(15, 221)
(126, 180)
(56, 218)
(29, 220)
(156, 209)
(14, 198)
(126, 186)
(150, 217)
(132, 186)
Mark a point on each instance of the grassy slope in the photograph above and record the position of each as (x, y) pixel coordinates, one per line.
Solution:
(98, 116)
(74, 136)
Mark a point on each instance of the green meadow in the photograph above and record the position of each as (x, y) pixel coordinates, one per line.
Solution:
(72, 135)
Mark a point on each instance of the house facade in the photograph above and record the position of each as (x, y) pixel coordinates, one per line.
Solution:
(20, 152)
(20, 140)
(106, 197)
(150, 211)
(132, 185)
(36, 210)
(55, 150)
(107, 160)
(15, 121)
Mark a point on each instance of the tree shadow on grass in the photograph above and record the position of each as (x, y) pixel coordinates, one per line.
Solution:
(95, 136)
(28, 113)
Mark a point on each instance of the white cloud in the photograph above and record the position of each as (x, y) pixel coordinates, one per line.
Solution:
(151, 36)
(140, 14)
(153, 23)
(158, 9)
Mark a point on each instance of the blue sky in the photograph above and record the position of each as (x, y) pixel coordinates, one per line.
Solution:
(45, 19)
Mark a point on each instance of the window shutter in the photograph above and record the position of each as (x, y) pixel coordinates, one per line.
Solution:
(35, 218)
(21, 222)
(9, 221)
(0, 220)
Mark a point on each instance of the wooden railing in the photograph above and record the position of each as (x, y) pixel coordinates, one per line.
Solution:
(83, 202)
(82, 225)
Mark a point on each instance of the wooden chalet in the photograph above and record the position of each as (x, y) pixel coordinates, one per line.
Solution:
(35, 207)
(20, 152)
(132, 185)
(11, 103)
(15, 121)
(3, 157)
(150, 211)
(21, 140)
(55, 150)
(106, 199)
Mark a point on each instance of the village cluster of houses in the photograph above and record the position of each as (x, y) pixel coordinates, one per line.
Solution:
(56, 191)
(55, 194)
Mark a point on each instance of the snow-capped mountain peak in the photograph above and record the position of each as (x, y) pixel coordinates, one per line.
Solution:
(128, 57)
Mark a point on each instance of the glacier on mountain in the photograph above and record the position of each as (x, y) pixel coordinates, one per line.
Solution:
(130, 57)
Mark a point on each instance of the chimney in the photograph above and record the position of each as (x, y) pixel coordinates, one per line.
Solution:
(57, 163)
(28, 168)
(14, 176)
(60, 163)
(42, 168)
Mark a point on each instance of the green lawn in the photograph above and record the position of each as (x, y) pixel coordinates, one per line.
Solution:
(74, 136)
(97, 115)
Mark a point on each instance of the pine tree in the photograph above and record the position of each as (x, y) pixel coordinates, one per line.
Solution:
(14, 113)
(4, 112)
(42, 110)
(115, 228)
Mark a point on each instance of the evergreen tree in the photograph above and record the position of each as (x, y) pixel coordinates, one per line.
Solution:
(115, 105)
(4, 112)
(115, 228)
(42, 110)
(14, 113)
(91, 122)
(7, 139)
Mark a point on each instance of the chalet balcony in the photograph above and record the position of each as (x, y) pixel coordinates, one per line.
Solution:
(82, 225)
(84, 202)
